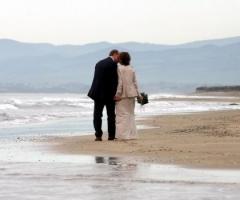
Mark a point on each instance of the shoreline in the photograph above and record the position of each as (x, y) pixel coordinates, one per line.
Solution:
(200, 140)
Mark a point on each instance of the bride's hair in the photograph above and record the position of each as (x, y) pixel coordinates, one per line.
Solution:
(124, 58)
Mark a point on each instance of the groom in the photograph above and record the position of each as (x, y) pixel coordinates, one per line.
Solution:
(102, 91)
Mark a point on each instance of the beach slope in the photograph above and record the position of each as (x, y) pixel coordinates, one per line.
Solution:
(207, 139)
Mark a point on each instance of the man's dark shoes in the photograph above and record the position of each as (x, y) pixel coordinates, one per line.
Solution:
(98, 139)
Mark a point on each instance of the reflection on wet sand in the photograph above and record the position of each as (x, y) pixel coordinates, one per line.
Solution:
(107, 160)
(113, 178)
(35, 173)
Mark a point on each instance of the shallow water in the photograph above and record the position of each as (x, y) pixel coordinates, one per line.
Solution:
(108, 178)
(30, 171)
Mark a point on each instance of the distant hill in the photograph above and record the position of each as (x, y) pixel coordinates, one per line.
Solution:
(69, 68)
(215, 42)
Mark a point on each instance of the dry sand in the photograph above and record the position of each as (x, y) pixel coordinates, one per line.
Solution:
(207, 139)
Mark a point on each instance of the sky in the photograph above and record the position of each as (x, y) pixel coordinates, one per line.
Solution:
(87, 21)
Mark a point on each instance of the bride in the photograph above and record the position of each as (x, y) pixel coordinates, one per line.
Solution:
(127, 91)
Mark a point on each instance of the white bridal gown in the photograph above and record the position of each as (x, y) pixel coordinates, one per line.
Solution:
(128, 90)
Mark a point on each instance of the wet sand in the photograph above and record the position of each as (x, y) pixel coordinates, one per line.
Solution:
(206, 140)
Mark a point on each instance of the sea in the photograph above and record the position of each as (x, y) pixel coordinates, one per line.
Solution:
(69, 114)
(28, 170)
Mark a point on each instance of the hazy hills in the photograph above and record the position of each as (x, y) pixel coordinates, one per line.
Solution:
(66, 68)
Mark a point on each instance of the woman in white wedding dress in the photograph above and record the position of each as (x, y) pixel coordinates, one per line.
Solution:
(127, 91)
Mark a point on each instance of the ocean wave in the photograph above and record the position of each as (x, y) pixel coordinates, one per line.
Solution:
(45, 102)
(35, 108)
(11, 119)
(4, 117)
(8, 107)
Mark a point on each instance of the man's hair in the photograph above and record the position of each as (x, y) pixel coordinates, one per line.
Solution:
(124, 58)
(114, 51)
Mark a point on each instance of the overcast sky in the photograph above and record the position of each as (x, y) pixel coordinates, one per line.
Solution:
(84, 21)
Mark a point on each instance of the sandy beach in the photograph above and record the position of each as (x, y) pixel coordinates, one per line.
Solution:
(206, 140)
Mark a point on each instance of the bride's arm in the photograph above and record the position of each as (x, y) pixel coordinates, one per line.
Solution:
(136, 84)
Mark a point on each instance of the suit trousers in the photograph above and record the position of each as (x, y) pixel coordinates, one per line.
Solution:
(97, 118)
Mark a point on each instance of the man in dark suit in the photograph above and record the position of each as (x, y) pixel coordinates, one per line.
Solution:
(102, 91)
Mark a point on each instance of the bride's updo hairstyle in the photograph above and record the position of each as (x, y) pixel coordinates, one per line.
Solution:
(124, 58)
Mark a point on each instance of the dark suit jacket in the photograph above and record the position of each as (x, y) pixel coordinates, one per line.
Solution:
(104, 85)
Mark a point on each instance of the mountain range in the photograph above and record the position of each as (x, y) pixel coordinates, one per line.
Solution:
(43, 67)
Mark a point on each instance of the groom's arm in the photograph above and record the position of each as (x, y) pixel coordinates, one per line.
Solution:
(120, 84)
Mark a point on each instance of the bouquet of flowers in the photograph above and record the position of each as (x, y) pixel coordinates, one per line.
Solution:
(143, 100)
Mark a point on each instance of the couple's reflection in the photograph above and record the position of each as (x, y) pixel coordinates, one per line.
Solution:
(121, 163)
(108, 160)
(119, 173)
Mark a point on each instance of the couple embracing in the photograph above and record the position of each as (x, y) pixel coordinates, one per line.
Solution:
(115, 86)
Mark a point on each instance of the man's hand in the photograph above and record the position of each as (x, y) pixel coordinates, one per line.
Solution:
(117, 98)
